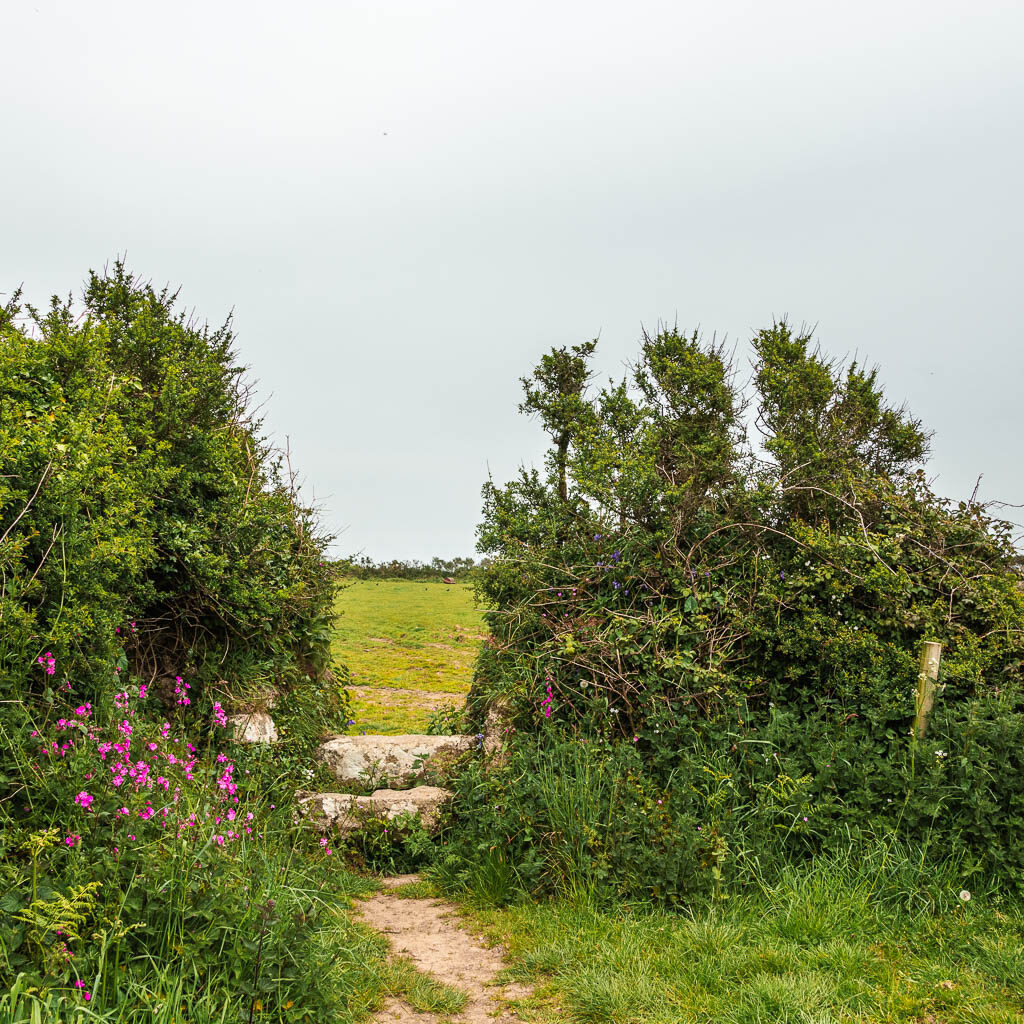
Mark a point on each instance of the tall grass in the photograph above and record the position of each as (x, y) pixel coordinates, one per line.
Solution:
(867, 938)
(576, 792)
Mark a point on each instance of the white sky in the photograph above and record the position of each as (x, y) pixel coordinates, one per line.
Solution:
(406, 203)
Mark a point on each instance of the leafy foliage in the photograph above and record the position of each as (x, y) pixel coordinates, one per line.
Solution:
(136, 861)
(746, 620)
(137, 489)
(158, 570)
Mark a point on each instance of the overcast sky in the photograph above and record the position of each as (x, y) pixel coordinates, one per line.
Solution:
(406, 203)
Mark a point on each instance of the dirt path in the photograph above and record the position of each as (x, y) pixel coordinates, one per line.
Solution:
(428, 931)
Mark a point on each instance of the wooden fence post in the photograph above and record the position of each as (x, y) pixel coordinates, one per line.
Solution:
(931, 654)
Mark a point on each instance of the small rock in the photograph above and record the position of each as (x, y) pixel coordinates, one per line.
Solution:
(253, 727)
(397, 760)
(497, 728)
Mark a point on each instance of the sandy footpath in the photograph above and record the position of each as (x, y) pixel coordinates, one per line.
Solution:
(429, 933)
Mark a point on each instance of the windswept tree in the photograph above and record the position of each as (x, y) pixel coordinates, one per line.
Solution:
(667, 584)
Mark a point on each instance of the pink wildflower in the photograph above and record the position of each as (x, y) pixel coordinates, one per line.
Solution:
(181, 691)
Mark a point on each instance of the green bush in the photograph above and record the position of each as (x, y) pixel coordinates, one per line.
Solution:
(158, 572)
(745, 619)
(577, 819)
(142, 511)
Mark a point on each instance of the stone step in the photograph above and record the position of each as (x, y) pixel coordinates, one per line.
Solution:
(347, 813)
(395, 761)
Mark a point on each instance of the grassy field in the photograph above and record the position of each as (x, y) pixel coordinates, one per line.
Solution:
(740, 965)
(410, 647)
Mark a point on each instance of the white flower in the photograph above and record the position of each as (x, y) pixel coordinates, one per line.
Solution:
(940, 754)
(964, 895)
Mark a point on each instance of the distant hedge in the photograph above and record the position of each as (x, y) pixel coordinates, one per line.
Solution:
(365, 568)
(145, 522)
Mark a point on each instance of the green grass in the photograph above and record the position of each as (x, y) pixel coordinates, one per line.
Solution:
(410, 647)
(421, 991)
(818, 947)
(421, 889)
(347, 960)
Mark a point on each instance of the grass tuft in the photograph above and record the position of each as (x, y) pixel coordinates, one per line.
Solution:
(422, 889)
(421, 991)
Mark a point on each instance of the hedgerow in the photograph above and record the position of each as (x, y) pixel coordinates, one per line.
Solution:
(731, 629)
(157, 572)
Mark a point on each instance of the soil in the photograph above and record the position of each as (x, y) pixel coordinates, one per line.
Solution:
(428, 931)
(386, 696)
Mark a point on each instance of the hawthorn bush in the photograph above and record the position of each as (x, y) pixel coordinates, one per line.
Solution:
(732, 629)
(141, 510)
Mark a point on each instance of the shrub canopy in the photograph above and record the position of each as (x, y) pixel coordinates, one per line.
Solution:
(746, 618)
(142, 514)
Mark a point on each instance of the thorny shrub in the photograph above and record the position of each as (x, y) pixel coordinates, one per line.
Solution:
(136, 486)
(745, 621)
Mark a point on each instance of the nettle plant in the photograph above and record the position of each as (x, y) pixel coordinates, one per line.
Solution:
(748, 617)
